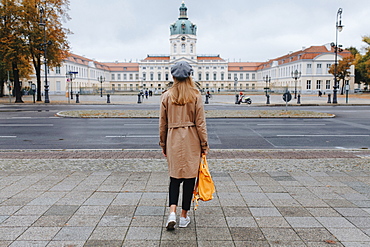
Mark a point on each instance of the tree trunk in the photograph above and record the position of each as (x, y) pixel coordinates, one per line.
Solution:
(2, 87)
(342, 90)
(38, 78)
(17, 84)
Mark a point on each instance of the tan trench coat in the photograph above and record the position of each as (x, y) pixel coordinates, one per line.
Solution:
(183, 136)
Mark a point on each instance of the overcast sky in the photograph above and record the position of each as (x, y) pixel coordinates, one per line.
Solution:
(238, 30)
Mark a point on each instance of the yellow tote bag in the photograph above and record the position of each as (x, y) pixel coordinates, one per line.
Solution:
(205, 187)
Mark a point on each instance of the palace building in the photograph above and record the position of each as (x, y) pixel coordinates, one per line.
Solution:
(211, 72)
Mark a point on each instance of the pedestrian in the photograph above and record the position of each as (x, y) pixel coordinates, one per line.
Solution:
(320, 93)
(183, 138)
(146, 94)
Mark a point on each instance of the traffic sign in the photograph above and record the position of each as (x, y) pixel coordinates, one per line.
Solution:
(287, 97)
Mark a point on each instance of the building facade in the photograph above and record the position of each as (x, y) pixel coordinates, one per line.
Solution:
(211, 72)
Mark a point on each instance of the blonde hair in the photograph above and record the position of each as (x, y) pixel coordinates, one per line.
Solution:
(183, 91)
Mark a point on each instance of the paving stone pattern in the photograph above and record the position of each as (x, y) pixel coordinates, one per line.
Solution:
(296, 205)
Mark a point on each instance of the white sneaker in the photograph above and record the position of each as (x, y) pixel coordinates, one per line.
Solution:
(184, 222)
(171, 222)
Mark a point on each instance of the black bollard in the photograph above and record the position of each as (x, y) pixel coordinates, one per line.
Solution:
(207, 102)
(236, 99)
(299, 99)
(268, 99)
(77, 98)
(108, 98)
(329, 99)
(139, 98)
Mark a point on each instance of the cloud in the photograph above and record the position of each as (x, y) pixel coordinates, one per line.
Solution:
(237, 29)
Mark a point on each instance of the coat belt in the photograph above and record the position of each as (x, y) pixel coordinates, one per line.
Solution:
(180, 125)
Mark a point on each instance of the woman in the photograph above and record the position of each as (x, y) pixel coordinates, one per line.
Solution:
(183, 138)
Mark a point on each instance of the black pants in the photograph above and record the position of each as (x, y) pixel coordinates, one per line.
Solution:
(187, 191)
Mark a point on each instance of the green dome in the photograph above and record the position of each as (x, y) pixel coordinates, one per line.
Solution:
(183, 25)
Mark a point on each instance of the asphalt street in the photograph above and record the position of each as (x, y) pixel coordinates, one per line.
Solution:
(36, 127)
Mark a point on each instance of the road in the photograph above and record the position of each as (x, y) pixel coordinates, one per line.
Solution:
(36, 127)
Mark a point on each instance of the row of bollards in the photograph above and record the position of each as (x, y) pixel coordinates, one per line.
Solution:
(140, 97)
(78, 98)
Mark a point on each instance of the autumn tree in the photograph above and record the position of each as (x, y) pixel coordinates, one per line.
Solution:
(362, 64)
(43, 25)
(13, 49)
(343, 70)
(25, 33)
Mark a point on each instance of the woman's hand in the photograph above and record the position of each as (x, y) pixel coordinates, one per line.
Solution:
(164, 153)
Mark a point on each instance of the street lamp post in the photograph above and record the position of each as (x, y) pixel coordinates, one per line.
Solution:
(44, 47)
(338, 28)
(101, 79)
(235, 85)
(296, 75)
(267, 79)
(71, 75)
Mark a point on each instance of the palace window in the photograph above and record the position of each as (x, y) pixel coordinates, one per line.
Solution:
(327, 86)
(308, 84)
(58, 87)
(199, 76)
(159, 77)
(214, 76)
(183, 48)
(207, 76)
(318, 84)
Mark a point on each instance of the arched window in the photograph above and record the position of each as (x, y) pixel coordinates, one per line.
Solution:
(183, 48)
(191, 49)
(174, 48)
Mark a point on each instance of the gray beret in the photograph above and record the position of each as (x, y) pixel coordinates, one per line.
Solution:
(181, 70)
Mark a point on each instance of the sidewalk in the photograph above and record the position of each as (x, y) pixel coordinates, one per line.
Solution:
(119, 197)
(221, 99)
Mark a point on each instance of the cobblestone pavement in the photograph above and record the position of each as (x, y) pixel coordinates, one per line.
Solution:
(119, 198)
